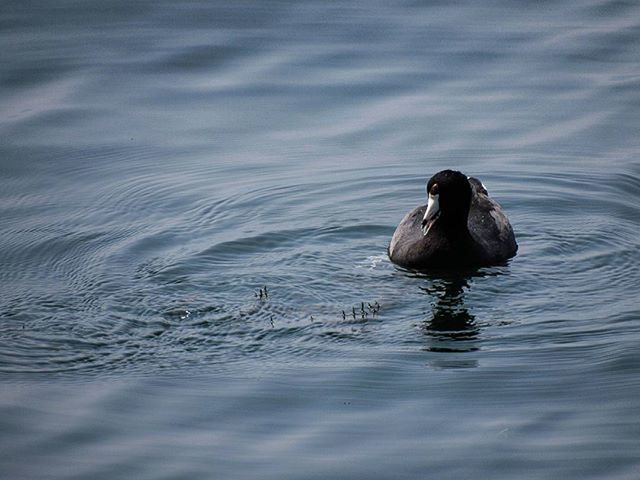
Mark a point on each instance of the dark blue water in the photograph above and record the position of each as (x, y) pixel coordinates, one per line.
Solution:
(162, 162)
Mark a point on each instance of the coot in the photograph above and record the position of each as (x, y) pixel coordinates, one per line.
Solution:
(461, 226)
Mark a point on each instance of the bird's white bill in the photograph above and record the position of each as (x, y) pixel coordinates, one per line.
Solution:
(431, 215)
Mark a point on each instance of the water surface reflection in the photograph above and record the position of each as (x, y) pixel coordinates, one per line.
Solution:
(451, 328)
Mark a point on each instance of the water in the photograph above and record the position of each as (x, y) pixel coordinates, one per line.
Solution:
(163, 162)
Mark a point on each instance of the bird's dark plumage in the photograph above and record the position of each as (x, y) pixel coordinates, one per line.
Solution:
(464, 227)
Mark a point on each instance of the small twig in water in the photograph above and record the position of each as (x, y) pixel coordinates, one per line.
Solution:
(262, 293)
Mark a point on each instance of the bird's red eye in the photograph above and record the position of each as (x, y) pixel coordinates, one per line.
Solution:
(434, 189)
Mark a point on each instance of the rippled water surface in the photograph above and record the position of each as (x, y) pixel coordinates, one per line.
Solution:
(162, 164)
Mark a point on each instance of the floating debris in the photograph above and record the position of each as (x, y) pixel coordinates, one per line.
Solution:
(262, 293)
(364, 311)
(375, 308)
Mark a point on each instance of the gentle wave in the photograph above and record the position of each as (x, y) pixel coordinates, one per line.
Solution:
(189, 172)
(126, 328)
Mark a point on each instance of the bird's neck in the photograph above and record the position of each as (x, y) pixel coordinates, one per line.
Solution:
(455, 224)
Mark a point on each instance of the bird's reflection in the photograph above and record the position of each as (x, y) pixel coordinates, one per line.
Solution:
(451, 328)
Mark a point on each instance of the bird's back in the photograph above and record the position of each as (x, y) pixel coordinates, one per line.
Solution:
(489, 226)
